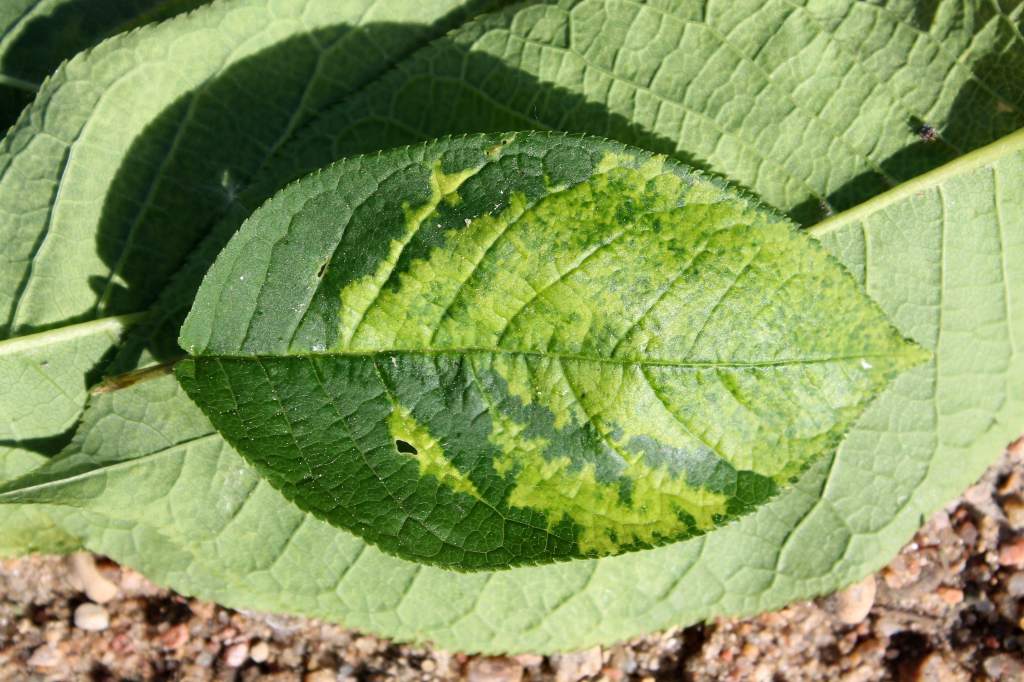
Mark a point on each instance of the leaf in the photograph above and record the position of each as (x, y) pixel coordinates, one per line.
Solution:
(37, 35)
(812, 106)
(29, 528)
(488, 351)
(867, 78)
(269, 556)
(137, 142)
(865, 86)
(45, 376)
(133, 148)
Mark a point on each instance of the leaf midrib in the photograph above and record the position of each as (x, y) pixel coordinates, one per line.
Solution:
(12, 490)
(560, 356)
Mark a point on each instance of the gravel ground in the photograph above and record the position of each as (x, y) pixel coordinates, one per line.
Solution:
(949, 607)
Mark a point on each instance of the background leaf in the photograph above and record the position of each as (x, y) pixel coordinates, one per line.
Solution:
(214, 529)
(495, 350)
(949, 57)
(841, 91)
(132, 148)
(37, 35)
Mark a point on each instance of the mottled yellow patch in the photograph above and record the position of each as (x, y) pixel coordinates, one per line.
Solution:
(358, 296)
(429, 452)
(550, 486)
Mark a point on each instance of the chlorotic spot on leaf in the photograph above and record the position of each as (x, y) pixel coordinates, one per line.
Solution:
(528, 348)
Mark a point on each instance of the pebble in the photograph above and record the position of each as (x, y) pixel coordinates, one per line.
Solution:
(1012, 553)
(176, 637)
(978, 495)
(950, 595)
(260, 652)
(852, 605)
(321, 675)
(530, 660)
(45, 656)
(1013, 507)
(494, 669)
(934, 668)
(96, 587)
(1004, 667)
(236, 655)
(902, 571)
(91, 617)
(1015, 584)
(576, 666)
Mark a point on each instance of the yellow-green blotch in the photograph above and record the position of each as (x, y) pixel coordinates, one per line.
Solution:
(358, 296)
(429, 452)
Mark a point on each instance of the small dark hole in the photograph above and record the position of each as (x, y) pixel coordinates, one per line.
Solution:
(320, 272)
(407, 448)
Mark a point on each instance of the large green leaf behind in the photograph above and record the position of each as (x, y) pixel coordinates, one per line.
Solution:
(175, 502)
(952, 64)
(132, 148)
(812, 106)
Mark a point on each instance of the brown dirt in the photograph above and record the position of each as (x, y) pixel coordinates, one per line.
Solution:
(949, 607)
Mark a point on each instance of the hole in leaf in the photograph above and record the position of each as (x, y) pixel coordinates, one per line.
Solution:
(406, 447)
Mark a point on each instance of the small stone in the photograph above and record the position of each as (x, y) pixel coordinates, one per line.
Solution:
(1004, 667)
(852, 605)
(902, 571)
(1013, 507)
(1015, 584)
(428, 665)
(578, 665)
(321, 675)
(96, 587)
(494, 669)
(91, 617)
(176, 637)
(365, 645)
(1010, 484)
(978, 494)
(259, 652)
(934, 668)
(236, 655)
(530, 660)
(45, 656)
(1016, 448)
(1012, 553)
(950, 595)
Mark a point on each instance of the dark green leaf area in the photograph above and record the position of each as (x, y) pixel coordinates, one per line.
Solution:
(506, 349)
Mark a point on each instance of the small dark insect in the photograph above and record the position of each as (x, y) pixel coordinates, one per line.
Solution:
(927, 134)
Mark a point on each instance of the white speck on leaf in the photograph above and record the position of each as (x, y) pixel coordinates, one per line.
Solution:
(865, 364)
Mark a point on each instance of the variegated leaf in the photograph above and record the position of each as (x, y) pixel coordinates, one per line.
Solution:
(488, 351)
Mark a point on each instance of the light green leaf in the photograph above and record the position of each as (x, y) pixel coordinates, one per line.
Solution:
(29, 528)
(848, 516)
(37, 35)
(138, 142)
(495, 350)
(45, 376)
(841, 89)
(205, 524)
(132, 148)
(814, 106)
